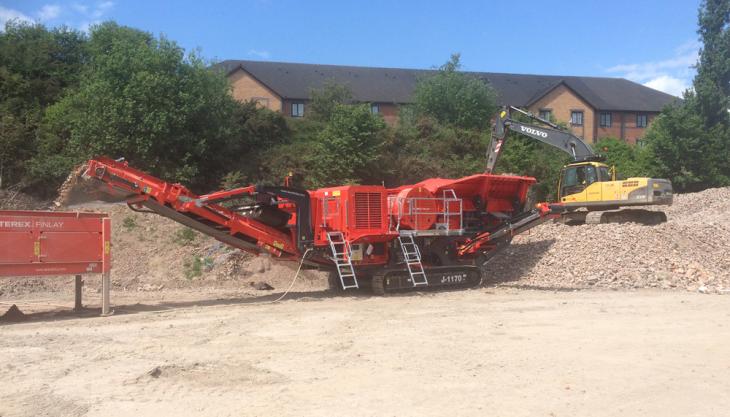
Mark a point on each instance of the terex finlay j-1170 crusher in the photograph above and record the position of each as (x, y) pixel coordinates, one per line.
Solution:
(436, 233)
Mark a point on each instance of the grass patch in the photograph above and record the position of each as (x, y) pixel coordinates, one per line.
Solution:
(195, 267)
(185, 236)
(129, 223)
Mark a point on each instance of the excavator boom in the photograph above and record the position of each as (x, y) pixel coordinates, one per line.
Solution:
(551, 135)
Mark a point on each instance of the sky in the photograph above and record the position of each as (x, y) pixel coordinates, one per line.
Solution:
(652, 42)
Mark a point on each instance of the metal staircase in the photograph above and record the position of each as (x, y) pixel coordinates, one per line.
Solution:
(412, 257)
(342, 255)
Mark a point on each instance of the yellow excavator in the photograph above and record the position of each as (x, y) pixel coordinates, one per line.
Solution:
(587, 188)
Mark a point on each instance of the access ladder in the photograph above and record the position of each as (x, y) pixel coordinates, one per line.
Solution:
(342, 256)
(412, 258)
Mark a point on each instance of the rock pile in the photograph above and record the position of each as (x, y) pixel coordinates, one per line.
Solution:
(690, 251)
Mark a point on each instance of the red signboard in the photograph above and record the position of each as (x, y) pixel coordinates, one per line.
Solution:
(54, 243)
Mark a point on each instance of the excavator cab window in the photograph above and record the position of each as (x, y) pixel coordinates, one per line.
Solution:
(591, 175)
(577, 178)
(572, 180)
(603, 174)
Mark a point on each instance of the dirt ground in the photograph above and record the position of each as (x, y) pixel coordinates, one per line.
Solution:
(488, 351)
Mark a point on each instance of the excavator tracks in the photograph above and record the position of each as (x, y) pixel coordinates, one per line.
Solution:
(645, 217)
(638, 216)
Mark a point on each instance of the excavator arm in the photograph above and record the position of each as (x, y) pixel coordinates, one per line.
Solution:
(550, 134)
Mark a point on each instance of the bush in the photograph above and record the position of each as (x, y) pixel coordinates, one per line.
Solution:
(422, 148)
(129, 223)
(142, 98)
(455, 98)
(629, 160)
(185, 236)
(683, 150)
(325, 100)
(524, 156)
(194, 268)
(232, 180)
(37, 67)
(347, 146)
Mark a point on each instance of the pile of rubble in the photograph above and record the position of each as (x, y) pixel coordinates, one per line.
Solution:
(690, 251)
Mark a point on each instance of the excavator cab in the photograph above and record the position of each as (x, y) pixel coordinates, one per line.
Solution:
(582, 181)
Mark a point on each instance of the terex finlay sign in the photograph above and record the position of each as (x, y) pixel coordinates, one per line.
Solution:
(54, 243)
(29, 224)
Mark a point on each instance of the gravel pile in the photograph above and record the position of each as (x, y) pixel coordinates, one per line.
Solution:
(690, 251)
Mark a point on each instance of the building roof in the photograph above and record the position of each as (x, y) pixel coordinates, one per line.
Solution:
(396, 85)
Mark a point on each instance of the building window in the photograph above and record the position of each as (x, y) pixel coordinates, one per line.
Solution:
(640, 143)
(297, 109)
(545, 114)
(576, 118)
(375, 108)
(605, 120)
(641, 120)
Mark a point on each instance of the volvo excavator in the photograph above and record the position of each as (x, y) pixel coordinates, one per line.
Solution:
(588, 188)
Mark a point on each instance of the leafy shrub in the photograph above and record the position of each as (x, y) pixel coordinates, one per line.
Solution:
(195, 267)
(233, 179)
(629, 160)
(129, 223)
(455, 98)
(185, 236)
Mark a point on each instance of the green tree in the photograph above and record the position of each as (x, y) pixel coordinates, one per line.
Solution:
(455, 98)
(712, 83)
(444, 134)
(260, 131)
(325, 99)
(683, 150)
(629, 160)
(345, 150)
(37, 65)
(420, 148)
(690, 141)
(142, 98)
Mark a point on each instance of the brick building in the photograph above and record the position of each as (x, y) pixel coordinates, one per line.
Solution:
(593, 107)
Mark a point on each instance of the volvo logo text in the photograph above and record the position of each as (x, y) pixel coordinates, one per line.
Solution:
(533, 131)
